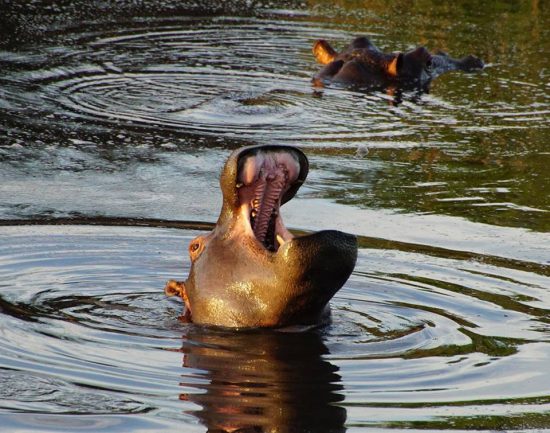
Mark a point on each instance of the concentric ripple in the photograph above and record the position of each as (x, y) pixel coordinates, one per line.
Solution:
(251, 105)
(246, 78)
(86, 329)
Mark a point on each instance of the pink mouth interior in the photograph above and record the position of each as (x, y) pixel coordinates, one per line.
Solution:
(262, 181)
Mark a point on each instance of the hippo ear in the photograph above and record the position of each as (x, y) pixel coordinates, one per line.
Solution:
(174, 288)
(323, 52)
(419, 56)
(395, 65)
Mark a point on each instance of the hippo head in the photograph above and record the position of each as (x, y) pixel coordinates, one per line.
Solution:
(363, 64)
(250, 271)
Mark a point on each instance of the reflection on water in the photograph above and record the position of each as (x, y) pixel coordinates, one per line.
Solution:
(128, 110)
(263, 381)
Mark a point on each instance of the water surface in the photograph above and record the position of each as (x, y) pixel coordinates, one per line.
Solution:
(122, 116)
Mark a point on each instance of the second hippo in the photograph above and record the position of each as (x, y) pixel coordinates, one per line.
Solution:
(363, 65)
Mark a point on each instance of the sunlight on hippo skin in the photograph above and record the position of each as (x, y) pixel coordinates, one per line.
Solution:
(250, 271)
(363, 65)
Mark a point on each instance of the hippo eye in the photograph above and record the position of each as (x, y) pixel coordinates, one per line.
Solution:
(429, 65)
(195, 248)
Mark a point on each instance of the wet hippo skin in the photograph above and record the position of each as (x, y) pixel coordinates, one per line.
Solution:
(362, 64)
(250, 271)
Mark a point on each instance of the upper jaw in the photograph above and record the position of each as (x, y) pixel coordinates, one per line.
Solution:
(265, 177)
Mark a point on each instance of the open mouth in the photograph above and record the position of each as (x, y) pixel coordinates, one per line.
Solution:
(265, 180)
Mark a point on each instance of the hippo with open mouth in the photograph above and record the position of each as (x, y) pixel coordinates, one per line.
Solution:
(250, 271)
(362, 64)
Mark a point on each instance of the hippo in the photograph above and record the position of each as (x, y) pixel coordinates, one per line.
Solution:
(250, 270)
(363, 65)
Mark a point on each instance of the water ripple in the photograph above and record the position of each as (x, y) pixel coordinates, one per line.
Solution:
(86, 329)
(224, 77)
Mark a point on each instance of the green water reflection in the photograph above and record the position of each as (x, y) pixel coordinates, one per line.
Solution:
(490, 163)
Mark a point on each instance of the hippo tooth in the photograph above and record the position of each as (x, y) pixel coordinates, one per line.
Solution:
(252, 169)
(280, 240)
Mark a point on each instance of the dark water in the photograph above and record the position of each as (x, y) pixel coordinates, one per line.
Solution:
(128, 110)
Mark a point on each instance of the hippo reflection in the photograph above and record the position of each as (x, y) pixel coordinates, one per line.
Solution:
(250, 271)
(362, 64)
(263, 381)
